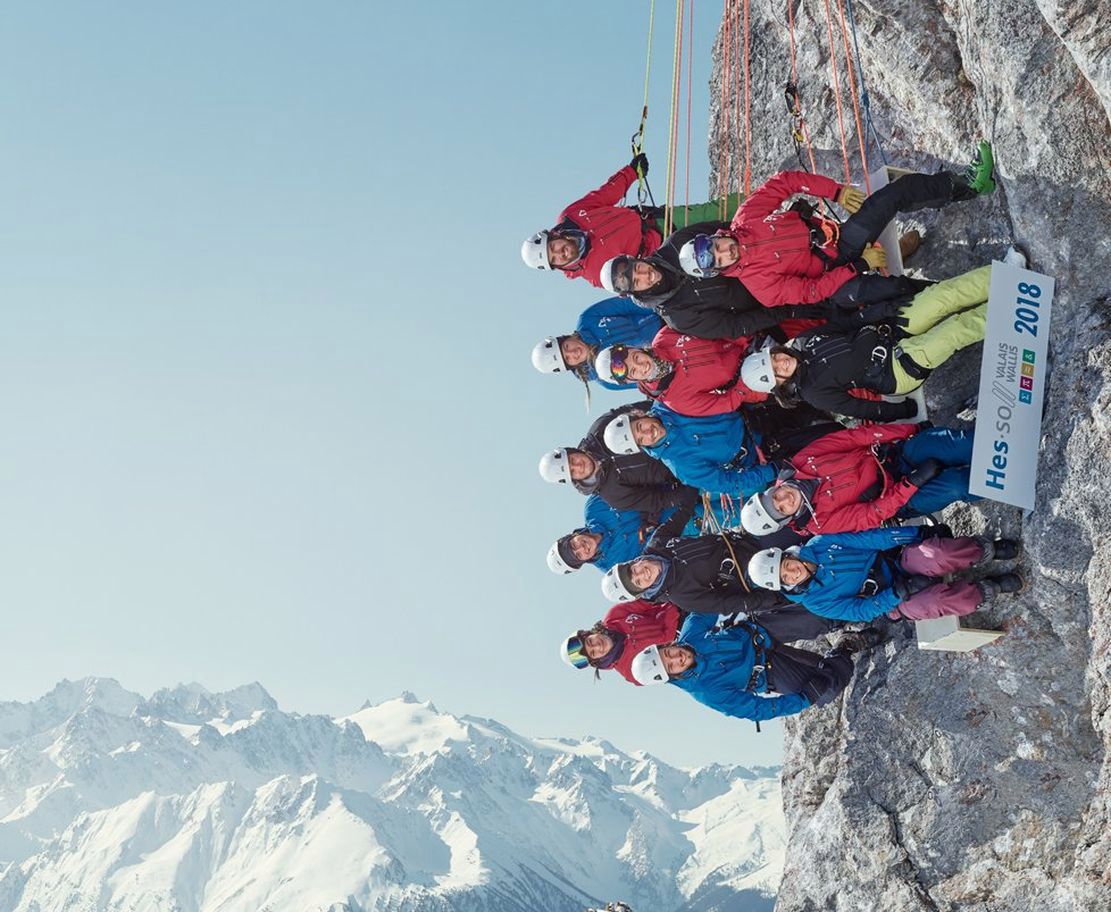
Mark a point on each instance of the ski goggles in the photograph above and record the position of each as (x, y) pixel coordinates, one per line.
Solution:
(704, 254)
(619, 366)
(576, 652)
(622, 275)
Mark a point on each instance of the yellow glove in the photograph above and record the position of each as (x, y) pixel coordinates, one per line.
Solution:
(850, 199)
(874, 256)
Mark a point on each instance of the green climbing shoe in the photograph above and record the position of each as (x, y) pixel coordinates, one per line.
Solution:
(980, 173)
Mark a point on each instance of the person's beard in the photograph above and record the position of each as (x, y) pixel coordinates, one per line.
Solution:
(660, 368)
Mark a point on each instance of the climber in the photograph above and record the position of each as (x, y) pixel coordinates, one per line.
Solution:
(859, 478)
(858, 576)
(610, 536)
(609, 322)
(714, 308)
(595, 228)
(706, 575)
(743, 671)
(799, 257)
(635, 482)
(717, 454)
(690, 376)
(823, 367)
(615, 640)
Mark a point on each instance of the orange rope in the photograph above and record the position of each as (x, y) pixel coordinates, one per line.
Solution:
(852, 89)
(748, 110)
(837, 91)
(795, 81)
(737, 37)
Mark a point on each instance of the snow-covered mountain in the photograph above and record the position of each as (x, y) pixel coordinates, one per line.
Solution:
(191, 801)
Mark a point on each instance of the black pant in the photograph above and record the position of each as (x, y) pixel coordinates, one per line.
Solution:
(791, 622)
(910, 192)
(820, 678)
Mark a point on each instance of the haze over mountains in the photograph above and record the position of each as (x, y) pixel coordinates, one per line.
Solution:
(199, 802)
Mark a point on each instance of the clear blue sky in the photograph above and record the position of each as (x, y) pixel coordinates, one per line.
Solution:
(264, 365)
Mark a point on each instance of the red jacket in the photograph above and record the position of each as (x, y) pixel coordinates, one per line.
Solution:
(701, 366)
(846, 466)
(611, 229)
(776, 260)
(644, 624)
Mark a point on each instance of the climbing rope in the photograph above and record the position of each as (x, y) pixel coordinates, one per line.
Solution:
(836, 80)
(856, 108)
(644, 192)
(690, 84)
(724, 166)
(748, 109)
(864, 100)
(799, 132)
(673, 125)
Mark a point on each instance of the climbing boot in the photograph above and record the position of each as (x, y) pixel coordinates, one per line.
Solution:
(1006, 549)
(853, 641)
(978, 179)
(1003, 584)
(909, 244)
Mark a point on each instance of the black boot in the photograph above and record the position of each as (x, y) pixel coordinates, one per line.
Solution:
(1006, 549)
(1002, 584)
(853, 641)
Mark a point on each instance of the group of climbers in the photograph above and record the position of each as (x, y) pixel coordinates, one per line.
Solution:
(753, 499)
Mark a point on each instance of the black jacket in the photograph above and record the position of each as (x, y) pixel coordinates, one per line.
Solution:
(832, 363)
(636, 482)
(703, 577)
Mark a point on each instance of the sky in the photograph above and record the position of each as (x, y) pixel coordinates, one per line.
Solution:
(268, 404)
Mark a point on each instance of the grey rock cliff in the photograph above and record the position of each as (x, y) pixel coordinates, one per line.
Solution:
(974, 781)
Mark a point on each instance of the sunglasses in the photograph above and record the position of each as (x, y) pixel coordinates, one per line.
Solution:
(576, 654)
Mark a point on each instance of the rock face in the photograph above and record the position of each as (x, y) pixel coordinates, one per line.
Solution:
(974, 781)
(193, 801)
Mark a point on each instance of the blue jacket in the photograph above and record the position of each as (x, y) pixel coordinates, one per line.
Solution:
(614, 321)
(722, 670)
(703, 452)
(620, 531)
(844, 561)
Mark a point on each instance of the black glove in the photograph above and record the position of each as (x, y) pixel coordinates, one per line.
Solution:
(938, 530)
(640, 164)
(925, 471)
(906, 586)
(878, 312)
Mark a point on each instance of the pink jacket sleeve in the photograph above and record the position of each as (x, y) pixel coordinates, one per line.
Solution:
(791, 289)
(609, 194)
(858, 517)
(770, 195)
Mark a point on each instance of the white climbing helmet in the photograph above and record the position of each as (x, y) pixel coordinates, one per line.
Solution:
(603, 365)
(555, 466)
(547, 356)
(757, 373)
(614, 588)
(618, 436)
(616, 276)
(534, 251)
(648, 667)
(756, 517)
(556, 563)
(696, 257)
(763, 568)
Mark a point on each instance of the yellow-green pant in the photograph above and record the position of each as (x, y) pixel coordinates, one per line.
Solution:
(681, 216)
(941, 320)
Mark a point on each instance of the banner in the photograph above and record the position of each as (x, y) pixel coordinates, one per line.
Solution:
(1013, 374)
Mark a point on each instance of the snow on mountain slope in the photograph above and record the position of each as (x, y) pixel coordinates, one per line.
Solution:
(197, 802)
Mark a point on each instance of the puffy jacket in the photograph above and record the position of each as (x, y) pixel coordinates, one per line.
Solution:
(615, 321)
(712, 453)
(834, 366)
(703, 575)
(722, 671)
(853, 580)
(620, 531)
(644, 624)
(777, 260)
(705, 377)
(856, 491)
(611, 228)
